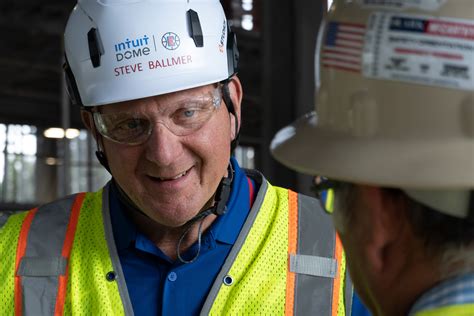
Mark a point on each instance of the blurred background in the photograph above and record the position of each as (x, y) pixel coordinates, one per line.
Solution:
(46, 153)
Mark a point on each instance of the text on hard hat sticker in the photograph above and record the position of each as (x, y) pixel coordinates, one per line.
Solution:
(132, 48)
(429, 5)
(152, 65)
(420, 49)
(432, 27)
(170, 62)
(139, 47)
(222, 39)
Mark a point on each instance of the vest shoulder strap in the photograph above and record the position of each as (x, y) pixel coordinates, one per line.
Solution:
(43, 251)
(318, 262)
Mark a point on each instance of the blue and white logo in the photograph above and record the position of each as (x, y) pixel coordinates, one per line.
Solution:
(170, 41)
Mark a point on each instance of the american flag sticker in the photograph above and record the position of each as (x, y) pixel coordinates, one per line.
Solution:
(343, 46)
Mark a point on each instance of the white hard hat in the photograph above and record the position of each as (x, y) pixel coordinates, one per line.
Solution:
(395, 101)
(119, 50)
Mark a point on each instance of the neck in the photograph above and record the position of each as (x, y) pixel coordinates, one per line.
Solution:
(167, 238)
(397, 296)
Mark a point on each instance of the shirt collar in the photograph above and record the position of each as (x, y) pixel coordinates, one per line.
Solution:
(125, 232)
(454, 291)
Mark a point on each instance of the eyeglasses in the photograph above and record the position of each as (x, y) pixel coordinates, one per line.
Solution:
(181, 118)
(323, 189)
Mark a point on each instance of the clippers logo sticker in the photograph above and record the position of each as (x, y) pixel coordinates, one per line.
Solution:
(428, 5)
(419, 49)
(343, 46)
(170, 41)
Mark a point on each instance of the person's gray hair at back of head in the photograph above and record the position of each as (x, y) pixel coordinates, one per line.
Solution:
(446, 237)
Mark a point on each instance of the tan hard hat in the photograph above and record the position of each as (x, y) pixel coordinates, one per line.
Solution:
(395, 100)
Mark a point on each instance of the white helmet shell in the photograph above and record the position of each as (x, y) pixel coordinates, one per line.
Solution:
(120, 50)
(395, 104)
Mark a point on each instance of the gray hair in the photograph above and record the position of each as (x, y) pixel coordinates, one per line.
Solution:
(448, 238)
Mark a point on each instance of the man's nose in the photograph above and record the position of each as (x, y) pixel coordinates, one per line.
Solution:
(163, 147)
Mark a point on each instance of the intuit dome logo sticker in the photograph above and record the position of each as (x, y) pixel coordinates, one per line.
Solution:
(132, 48)
(140, 55)
(170, 41)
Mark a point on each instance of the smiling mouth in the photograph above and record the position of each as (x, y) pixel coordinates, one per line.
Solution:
(173, 178)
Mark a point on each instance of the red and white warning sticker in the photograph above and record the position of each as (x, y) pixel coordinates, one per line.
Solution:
(420, 49)
(428, 5)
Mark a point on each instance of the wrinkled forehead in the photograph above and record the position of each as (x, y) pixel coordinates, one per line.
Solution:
(159, 102)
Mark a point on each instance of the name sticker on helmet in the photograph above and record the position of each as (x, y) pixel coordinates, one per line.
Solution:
(153, 65)
(128, 69)
(420, 49)
(170, 62)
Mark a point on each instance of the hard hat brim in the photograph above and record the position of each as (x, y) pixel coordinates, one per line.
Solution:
(416, 163)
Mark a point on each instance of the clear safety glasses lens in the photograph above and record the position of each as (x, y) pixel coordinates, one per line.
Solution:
(181, 118)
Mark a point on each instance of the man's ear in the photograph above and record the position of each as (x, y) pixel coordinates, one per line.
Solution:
(236, 93)
(88, 121)
(387, 237)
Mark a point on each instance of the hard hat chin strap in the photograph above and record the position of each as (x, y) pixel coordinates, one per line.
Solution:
(102, 159)
(99, 153)
(231, 108)
(219, 208)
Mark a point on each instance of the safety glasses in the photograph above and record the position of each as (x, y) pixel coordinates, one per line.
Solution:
(324, 189)
(181, 118)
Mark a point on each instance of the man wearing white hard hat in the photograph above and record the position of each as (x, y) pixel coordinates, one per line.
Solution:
(391, 144)
(181, 229)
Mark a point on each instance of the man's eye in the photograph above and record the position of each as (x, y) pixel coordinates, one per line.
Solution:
(189, 113)
(129, 124)
(133, 124)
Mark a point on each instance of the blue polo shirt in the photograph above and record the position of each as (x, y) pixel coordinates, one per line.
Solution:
(158, 285)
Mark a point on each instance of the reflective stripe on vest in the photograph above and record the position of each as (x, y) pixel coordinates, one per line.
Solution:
(317, 261)
(43, 251)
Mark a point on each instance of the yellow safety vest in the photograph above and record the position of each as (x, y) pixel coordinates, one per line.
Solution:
(61, 259)
(454, 310)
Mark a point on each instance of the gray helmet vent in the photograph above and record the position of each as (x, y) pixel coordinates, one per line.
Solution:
(195, 29)
(96, 48)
